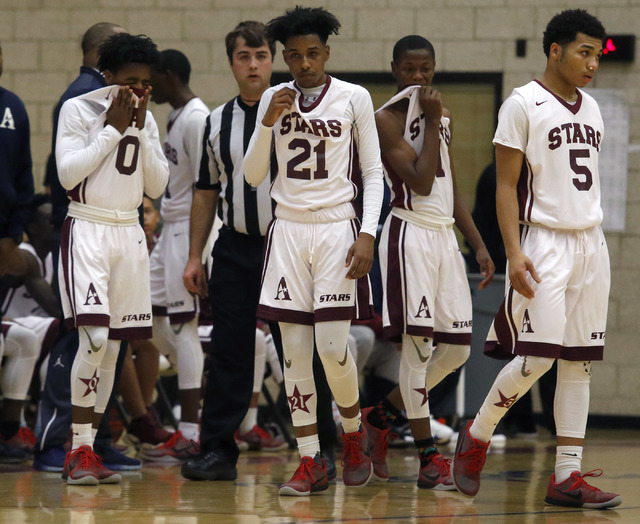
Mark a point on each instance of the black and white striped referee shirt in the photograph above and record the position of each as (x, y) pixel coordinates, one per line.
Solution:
(227, 133)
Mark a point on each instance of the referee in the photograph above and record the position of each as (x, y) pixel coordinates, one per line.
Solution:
(234, 287)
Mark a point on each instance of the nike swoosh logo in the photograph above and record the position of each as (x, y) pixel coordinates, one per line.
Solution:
(540, 103)
(177, 331)
(570, 454)
(139, 241)
(287, 363)
(573, 494)
(344, 360)
(93, 346)
(433, 477)
(422, 358)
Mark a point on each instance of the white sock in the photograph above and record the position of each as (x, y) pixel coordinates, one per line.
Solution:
(308, 446)
(189, 430)
(480, 431)
(568, 460)
(350, 425)
(82, 435)
(249, 421)
(94, 432)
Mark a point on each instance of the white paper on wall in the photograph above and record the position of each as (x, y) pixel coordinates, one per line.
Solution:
(614, 156)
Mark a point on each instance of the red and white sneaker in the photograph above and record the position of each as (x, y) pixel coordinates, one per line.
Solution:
(378, 442)
(24, 439)
(258, 439)
(468, 462)
(356, 464)
(576, 493)
(81, 467)
(310, 477)
(173, 451)
(436, 474)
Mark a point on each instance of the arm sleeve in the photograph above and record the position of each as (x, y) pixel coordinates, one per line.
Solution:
(75, 159)
(257, 160)
(155, 167)
(513, 124)
(370, 162)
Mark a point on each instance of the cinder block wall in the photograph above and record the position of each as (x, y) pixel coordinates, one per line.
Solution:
(40, 40)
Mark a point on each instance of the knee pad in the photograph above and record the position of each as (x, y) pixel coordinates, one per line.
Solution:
(23, 349)
(338, 362)
(92, 344)
(571, 403)
(164, 338)
(188, 355)
(107, 375)
(445, 359)
(416, 352)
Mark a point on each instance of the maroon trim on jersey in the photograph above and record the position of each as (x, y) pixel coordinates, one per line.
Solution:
(461, 339)
(130, 333)
(83, 191)
(74, 194)
(400, 192)
(159, 311)
(5, 328)
(285, 315)
(182, 317)
(364, 308)
(92, 319)
(574, 108)
(353, 175)
(328, 314)
(394, 291)
(266, 252)
(525, 190)
(414, 331)
(306, 109)
(65, 257)
(572, 353)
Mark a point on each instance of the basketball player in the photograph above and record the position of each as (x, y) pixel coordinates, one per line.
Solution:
(175, 322)
(108, 153)
(323, 131)
(426, 292)
(548, 200)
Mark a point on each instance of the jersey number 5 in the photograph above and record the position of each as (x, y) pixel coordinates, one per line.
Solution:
(574, 155)
(127, 156)
(305, 173)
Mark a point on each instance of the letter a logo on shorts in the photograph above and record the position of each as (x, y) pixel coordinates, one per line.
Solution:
(92, 297)
(423, 309)
(283, 291)
(526, 323)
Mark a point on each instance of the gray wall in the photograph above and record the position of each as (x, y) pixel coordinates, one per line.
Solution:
(40, 40)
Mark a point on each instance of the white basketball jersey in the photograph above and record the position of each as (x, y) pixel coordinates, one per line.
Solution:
(559, 184)
(182, 147)
(317, 147)
(439, 203)
(18, 302)
(120, 168)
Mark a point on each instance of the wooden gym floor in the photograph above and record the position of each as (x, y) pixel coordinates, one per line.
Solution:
(513, 488)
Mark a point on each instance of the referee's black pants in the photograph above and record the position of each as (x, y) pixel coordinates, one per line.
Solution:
(234, 290)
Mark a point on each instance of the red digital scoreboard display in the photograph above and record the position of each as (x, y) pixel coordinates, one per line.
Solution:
(619, 48)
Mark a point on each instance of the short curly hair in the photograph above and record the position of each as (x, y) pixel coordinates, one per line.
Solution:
(564, 27)
(122, 49)
(303, 21)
